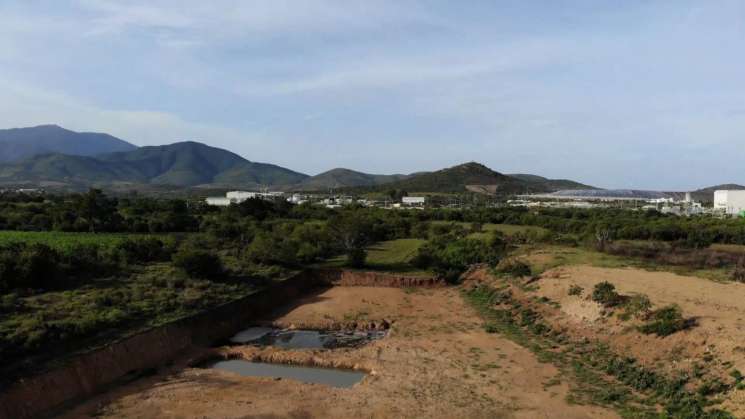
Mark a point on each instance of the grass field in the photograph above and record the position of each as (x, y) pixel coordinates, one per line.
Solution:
(389, 256)
(506, 229)
(63, 241)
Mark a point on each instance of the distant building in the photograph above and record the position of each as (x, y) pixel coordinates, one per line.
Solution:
(413, 201)
(236, 197)
(219, 201)
(731, 202)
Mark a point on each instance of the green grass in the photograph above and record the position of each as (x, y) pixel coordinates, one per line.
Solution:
(389, 256)
(506, 229)
(64, 241)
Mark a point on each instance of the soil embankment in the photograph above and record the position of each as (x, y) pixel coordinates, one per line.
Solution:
(84, 375)
(349, 278)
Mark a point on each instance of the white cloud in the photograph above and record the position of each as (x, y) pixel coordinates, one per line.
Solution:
(222, 18)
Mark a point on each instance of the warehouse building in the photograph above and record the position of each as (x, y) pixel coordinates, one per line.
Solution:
(731, 202)
(413, 201)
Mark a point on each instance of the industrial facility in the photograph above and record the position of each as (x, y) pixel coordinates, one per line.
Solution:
(236, 197)
(731, 202)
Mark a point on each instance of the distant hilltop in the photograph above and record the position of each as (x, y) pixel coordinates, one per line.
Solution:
(51, 155)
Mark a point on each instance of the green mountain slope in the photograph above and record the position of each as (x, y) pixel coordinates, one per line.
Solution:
(179, 164)
(343, 178)
(21, 143)
(469, 176)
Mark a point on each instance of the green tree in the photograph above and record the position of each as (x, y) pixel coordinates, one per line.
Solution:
(352, 233)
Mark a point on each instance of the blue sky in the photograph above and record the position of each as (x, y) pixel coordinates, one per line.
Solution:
(647, 94)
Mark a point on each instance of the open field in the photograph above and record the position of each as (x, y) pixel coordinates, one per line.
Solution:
(388, 256)
(545, 257)
(436, 362)
(64, 241)
(506, 229)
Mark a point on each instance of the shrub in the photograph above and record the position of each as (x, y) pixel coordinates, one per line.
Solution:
(605, 294)
(356, 257)
(575, 289)
(272, 248)
(86, 259)
(144, 250)
(476, 228)
(739, 273)
(449, 259)
(638, 305)
(666, 321)
(420, 230)
(198, 263)
(514, 267)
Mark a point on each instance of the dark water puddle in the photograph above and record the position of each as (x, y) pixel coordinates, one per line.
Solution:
(327, 376)
(304, 339)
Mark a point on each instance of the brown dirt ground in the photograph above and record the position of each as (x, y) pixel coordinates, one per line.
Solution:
(719, 309)
(437, 361)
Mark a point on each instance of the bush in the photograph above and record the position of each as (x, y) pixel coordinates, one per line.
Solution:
(605, 294)
(514, 267)
(198, 263)
(638, 305)
(273, 248)
(739, 274)
(450, 258)
(666, 321)
(575, 289)
(29, 266)
(356, 257)
(131, 251)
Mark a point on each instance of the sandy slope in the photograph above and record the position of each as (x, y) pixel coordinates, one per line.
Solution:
(719, 309)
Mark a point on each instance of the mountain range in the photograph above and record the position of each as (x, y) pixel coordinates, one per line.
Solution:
(21, 143)
(51, 154)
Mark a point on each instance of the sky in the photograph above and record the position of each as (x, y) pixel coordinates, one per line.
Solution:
(631, 94)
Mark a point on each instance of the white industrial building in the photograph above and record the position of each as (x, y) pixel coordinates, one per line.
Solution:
(236, 197)
(219, 201)
(413, 201)
(732, 202)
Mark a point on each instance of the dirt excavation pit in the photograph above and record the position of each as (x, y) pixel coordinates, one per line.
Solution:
(436, 361)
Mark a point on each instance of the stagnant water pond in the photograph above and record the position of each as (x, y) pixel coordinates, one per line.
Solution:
(328, 376)
(304, 339)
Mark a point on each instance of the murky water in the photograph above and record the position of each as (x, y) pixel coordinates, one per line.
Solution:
(251, 334)
(327, 376)
(304, 339)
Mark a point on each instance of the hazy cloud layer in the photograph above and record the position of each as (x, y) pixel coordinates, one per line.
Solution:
(618, 94)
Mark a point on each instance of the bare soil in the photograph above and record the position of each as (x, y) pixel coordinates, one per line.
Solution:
(437, 361)
(716, 343)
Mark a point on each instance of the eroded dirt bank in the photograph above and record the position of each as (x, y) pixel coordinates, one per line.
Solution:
(86, 374)
(437, 361)
(715, 346)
